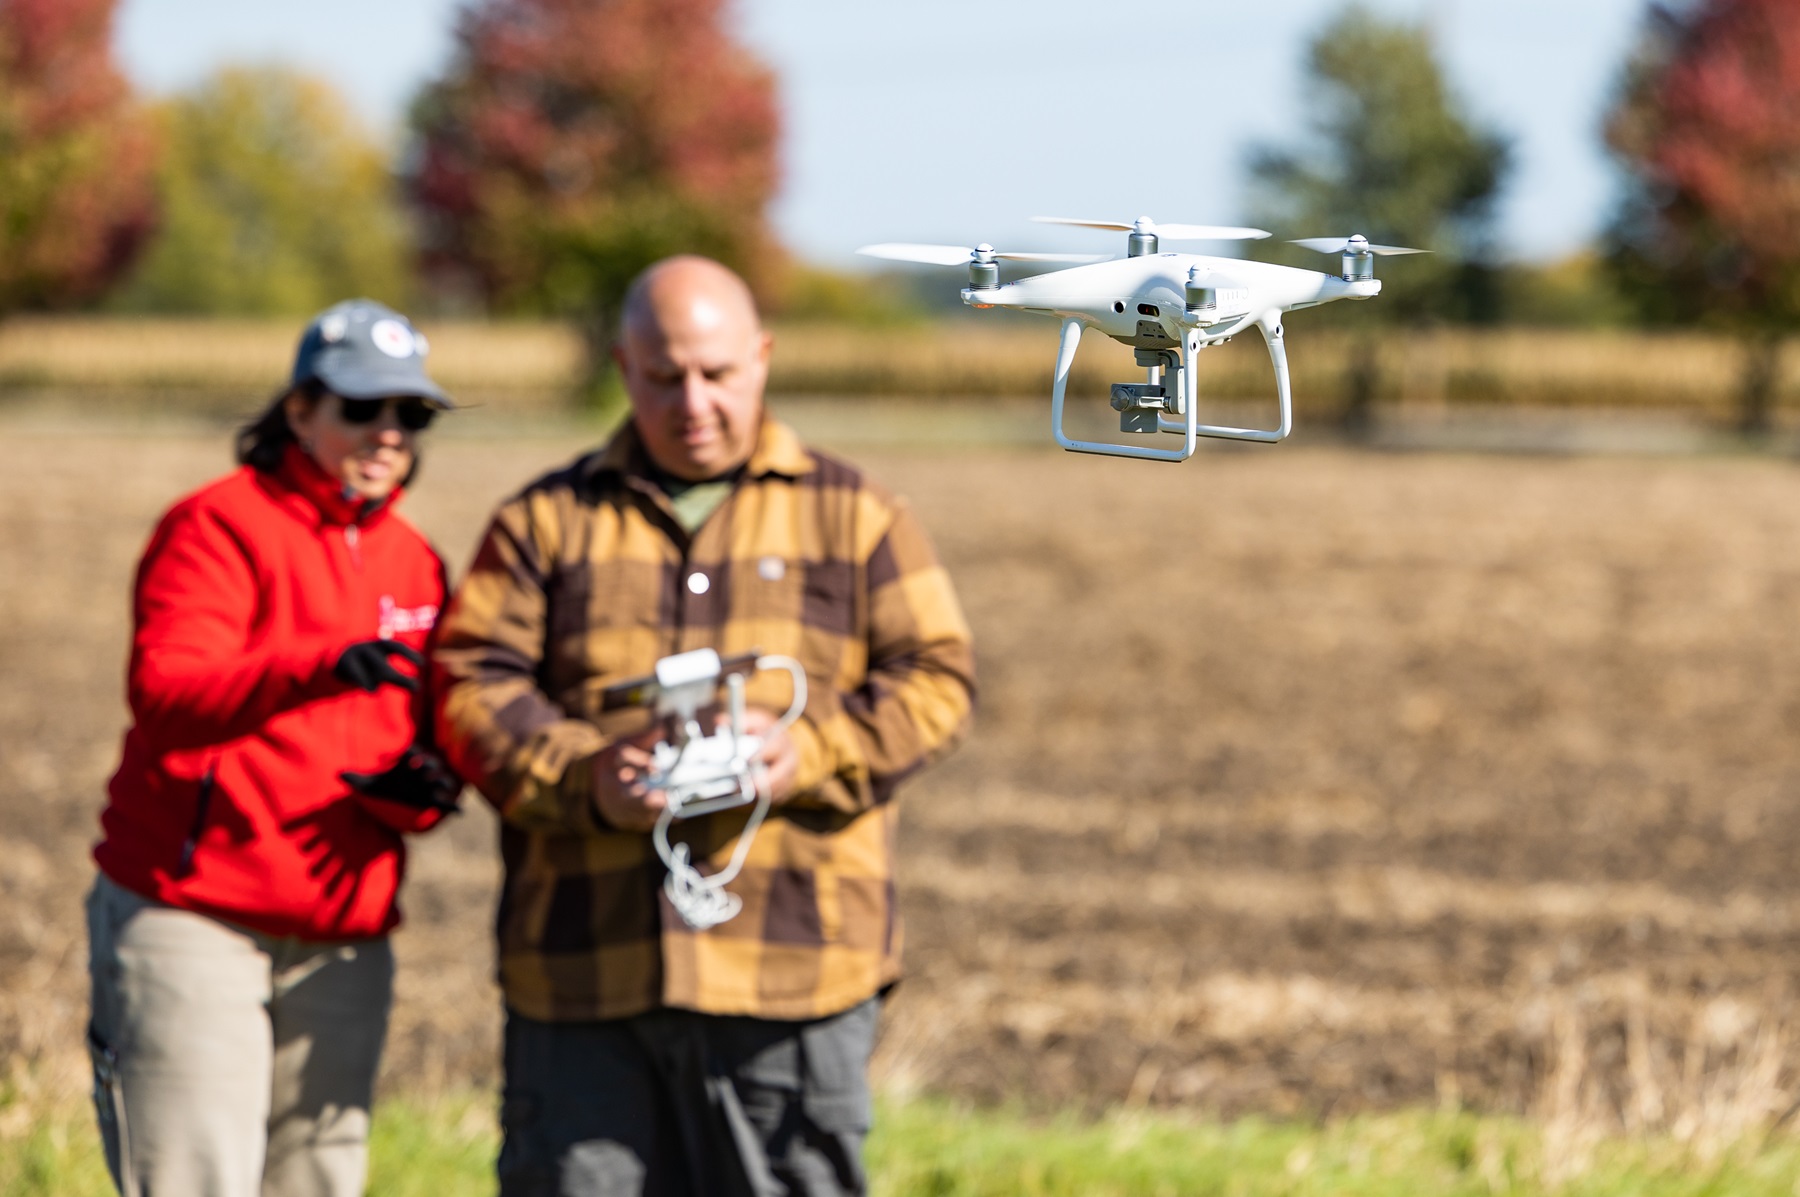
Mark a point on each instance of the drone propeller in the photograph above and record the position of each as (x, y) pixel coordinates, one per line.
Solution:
(1354, 245)
(1171, 232)
(963, 255)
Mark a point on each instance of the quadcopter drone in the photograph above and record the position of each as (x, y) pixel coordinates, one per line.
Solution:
(1166, 306)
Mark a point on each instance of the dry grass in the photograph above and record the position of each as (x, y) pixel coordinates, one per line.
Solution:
(1730, 1080)
(1306, 781)
(541, 363)
(1687, 372)
(1422, 745)
(201, 357)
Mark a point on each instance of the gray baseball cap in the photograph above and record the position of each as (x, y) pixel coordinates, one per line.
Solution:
(361, 349)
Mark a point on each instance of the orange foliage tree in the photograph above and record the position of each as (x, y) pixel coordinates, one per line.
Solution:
(1708, 126)
(77, 200)
(572, 142)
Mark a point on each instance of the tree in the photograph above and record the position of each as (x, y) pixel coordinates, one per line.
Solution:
(1708, 129)
(275, 202)
(573, 142)
(1391, 153)
(75, 157)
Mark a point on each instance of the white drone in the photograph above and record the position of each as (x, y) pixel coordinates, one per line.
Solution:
(1166, 306)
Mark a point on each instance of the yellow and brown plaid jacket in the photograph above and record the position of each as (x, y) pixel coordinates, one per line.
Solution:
(585, 579)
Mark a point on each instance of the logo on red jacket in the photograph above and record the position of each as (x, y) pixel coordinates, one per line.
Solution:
(395, 619)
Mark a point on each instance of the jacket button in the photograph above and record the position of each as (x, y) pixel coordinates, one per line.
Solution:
(698, 583)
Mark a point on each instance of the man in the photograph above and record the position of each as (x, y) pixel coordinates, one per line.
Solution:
(642, 1055)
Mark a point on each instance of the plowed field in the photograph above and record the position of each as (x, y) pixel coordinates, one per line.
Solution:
(1305, 780)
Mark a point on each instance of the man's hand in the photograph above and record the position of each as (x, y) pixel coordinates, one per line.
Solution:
(620, 794)
(780, 756)
(628, 804)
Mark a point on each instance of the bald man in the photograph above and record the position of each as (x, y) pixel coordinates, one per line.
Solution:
(645, 1055)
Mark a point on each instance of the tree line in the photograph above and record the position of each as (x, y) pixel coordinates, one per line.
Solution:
(566, 144)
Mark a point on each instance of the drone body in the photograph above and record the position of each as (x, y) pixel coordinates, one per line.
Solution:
(1166, 306)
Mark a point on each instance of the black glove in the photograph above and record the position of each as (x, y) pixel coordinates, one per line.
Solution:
(420, 778)
(365, 665)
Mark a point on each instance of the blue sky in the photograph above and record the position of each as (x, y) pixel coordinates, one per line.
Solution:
(955, 120)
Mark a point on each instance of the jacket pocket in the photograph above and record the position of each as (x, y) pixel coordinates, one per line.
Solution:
(203, 796)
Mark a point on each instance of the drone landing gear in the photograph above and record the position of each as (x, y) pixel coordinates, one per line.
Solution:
(1150, 407)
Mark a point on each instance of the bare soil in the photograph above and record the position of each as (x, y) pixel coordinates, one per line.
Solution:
(1305, 780)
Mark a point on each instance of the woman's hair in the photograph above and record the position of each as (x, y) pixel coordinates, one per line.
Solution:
(262, 441)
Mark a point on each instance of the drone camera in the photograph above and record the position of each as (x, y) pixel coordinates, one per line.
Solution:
(1139, 404)
(1138, 396)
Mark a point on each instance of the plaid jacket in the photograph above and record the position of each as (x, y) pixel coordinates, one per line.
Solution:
(585, 579)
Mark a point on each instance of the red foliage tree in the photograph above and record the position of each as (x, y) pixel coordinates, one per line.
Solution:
(77, 199)
(571, 142)
(1709, 126)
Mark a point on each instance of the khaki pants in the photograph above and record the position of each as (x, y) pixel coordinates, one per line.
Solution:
(229, 1063)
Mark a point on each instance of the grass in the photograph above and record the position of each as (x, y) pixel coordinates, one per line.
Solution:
(933, 1148)
(939, 1149)
(526, 363)
(438, 1148)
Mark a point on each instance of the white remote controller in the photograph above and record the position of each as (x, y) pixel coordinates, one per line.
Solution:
(703, 773)
(707, 773)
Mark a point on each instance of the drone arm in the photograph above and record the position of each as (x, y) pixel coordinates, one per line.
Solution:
(1270, 325)
(1065, 358)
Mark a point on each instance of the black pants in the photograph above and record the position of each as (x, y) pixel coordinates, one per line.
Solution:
(673, 1103)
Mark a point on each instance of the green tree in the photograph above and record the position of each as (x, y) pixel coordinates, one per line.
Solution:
(75, 156)
(573, 142)
(1391, 152)
(275, 201)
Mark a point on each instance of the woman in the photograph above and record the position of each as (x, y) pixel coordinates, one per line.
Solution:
(252, 839)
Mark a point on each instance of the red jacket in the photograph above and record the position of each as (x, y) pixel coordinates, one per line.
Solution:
(227, 800)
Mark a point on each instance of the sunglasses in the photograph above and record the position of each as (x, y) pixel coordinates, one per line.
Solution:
(415, 415)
